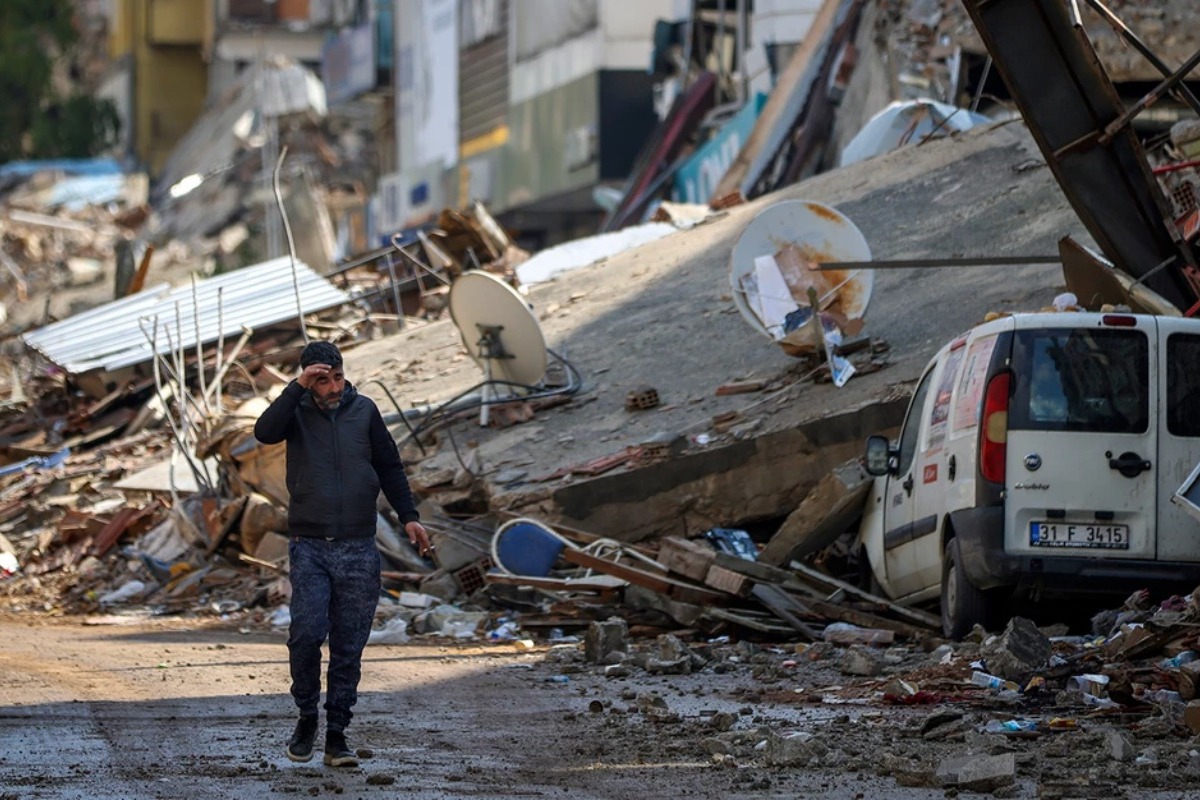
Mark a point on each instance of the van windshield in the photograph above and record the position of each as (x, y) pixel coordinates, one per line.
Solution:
(1072, 379)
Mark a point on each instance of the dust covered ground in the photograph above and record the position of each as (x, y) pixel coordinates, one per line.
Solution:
(172, 708)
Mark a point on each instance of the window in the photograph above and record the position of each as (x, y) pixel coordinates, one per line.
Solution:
(1183, 385)
(1071, 379)
(912, 425)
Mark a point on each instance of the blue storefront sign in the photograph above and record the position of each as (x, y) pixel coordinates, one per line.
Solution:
(699, 176)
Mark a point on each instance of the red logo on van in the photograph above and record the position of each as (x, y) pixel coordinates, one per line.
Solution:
(930, 474)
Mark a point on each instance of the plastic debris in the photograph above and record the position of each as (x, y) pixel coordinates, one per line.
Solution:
(130, 590)
(1011, 726)
(394, 631)
(992, 682)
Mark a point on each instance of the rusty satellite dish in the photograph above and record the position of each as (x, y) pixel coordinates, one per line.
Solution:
(774, 266)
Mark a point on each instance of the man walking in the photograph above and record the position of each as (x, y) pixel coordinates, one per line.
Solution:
(339, 455)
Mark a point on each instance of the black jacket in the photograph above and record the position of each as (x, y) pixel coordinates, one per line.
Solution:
(336, 463)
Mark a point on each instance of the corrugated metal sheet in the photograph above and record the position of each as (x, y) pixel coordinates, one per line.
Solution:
(483, 81)
(111, 336)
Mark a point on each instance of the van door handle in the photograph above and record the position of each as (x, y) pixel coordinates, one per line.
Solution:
(1129, 464)
(952, 467)
(908, 484)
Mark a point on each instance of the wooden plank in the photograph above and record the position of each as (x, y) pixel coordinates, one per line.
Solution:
(746, 620)
(658, 582)
(642, 599)
(777, 106)
(114, 530)
(740, 387)
(599, 585)
(753, 569)
(784, 606)
(911, 614)
(687, 558)
(863, 619)
(726, 580)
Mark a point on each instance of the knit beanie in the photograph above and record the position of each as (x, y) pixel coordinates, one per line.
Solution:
(320, 352)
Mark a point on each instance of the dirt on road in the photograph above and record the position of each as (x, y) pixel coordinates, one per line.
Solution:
(171, 708)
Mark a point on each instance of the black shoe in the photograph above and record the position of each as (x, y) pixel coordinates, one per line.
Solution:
(300, 746)
(337, 754)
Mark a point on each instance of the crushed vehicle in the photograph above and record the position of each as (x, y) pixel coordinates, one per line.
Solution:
(1038, 457)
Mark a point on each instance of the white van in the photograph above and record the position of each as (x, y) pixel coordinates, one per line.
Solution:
(1039, 454)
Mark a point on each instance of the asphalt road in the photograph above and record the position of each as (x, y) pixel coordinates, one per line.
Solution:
(170, 711)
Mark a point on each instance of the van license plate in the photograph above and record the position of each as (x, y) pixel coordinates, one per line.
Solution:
(1079, 534)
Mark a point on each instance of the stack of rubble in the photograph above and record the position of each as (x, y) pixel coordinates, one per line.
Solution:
(60, 225)
(1028, 712)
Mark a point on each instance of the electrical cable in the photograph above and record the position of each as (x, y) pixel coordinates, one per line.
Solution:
(439, 415)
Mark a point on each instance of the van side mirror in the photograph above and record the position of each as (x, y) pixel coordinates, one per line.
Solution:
(879, 455)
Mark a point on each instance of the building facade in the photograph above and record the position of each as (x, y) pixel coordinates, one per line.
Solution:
(532, 106)
(159, 74)
(525, 105)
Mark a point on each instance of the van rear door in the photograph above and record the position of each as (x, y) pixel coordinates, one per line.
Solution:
(1080, 468)
(1178, 434)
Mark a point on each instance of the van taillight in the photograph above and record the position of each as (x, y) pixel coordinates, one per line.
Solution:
(993, 436)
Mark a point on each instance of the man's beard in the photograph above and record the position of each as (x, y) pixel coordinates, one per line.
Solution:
(328, 403)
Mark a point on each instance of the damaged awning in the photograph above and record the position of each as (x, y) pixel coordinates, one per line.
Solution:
(114, 336)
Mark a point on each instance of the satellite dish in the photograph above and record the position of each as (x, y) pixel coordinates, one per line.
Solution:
(773, 264)
(500, 333)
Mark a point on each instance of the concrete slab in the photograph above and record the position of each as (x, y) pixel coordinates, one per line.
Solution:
(663, 315)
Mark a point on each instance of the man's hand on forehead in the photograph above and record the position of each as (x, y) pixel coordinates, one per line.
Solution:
(312, 373)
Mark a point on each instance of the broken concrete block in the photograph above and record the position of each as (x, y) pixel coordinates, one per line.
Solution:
(1120, 747)
(672, 658)
(905, 771)
(948, 769)
(944, 725)
(717, 747)
(723, 720)
(793, 749)
(821, 517)
(989, 773)
(606, 637)
(858, 660)
(978, 773)
(1021, 649)
(616, 671)
(650, 701)
(654, 708)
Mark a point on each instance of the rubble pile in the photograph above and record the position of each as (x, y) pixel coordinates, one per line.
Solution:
(929, 38)
(61, 224)
(1062, 716)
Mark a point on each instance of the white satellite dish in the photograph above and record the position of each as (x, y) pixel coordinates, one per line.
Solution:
(773, 265)
(500, 333)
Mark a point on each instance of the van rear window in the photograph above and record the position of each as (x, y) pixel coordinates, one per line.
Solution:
(1183, 384)
(1073, 379)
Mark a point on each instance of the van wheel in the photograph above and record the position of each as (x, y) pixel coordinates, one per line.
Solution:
(963, 604)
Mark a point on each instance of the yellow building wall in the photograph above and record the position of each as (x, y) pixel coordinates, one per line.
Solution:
(168, 41)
